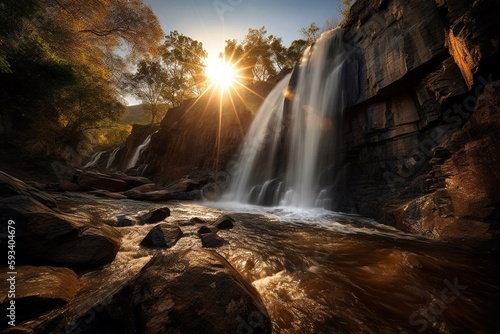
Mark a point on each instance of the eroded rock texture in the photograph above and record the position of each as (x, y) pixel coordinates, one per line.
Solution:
(413, 158)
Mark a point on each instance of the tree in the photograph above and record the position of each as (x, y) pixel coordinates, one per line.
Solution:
(295, 51)
(183, 61)
(344, 9)
(149, 84)
(310, 33)
(59, 67)
(259, 56)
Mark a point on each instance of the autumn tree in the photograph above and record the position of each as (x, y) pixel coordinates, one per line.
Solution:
(59, 67)
(344, 9)
(183, 61)
(310, 33)
(149, 84)
(259, 55)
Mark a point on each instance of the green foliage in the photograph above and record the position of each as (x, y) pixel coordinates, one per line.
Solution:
(183, 61)
(160, 83)
(310, 33)
(258, 56)
(149, 84)
(59, 69)
(295, 51)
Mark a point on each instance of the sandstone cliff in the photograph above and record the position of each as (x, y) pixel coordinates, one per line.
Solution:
(203, 133)
(413, 156)
(414, 159)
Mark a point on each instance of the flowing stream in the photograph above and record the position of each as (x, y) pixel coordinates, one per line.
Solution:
(317, 271)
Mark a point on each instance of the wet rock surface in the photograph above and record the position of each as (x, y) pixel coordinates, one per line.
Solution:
(38, 289)
(53, 238)
(154, 216)
(162, 236)
(50, 237)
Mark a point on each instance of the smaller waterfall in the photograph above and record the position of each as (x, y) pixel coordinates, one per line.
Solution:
(138, 152)
(256, 164)
(94, 160)
(112, 157)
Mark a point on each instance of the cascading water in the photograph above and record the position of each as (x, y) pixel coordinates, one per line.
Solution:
(112, 157)
(289, 151)
(94, 160)
(138, 152)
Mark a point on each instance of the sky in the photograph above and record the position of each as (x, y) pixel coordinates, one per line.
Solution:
(214, 21)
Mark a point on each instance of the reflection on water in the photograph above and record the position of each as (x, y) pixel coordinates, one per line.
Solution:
(321, 272)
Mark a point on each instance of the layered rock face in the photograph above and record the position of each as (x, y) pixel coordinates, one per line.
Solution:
(204, 133)
(413, 158)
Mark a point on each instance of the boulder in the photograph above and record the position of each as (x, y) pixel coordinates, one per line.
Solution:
(212, 240)
(205, 229)
(10, 186)
(91, 180)
(65, 185)
(162, 236)
(224, 222)
(125, 220)
(195, 291)
(154, 216)
(39, 289)
(141, 189)
(183, 185)
(196, 220)
(148, 192)
(47, 237)
(132, 181)
(107, 194)
(187, 196)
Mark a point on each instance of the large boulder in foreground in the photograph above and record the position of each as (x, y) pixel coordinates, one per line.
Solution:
(10, 186)
(44, 236)
(195, 291)
(191, 291)
(38, 289)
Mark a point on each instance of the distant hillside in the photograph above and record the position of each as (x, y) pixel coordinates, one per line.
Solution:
(135, 115)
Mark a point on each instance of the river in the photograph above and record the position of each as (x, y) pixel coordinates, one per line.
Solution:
(317, 271)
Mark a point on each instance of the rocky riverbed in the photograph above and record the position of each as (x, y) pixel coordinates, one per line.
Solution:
(222, 267)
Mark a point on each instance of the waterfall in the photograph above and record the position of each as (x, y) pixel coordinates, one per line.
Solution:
(112, 157)
(292, 144)
(138, 152)
(94, 160)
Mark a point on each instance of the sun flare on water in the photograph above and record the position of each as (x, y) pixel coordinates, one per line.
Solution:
(221, 74)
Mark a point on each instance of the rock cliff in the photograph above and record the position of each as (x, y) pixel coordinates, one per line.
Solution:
(414, 156)
(420, 134)
(201, 135)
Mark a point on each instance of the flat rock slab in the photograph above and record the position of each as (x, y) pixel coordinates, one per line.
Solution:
(38, 289)
(107, 194)
(195, 291)
(190, 291)
(90, 180)
(162, 236)
(10, 186)
(44, 236)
